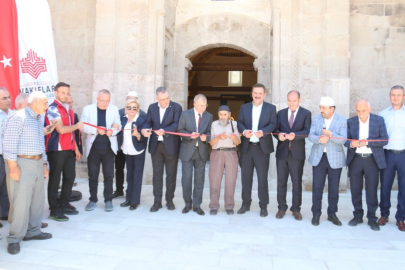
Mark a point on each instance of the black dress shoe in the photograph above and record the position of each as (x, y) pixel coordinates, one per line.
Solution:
(199, 211)
(1, 225)
(4, 218)
(133, 206)
(263, 212)
(117, 194)
(230, 212)
(244, 209)
(315, 221)
(41, 236)
(373, 225)
(70, 211)
(186, 209)
(156, 206)
(71, 206)
(170, 205)
(213, 212)
(355, 221)
(125, 204)
(334, 219)
(13, 248)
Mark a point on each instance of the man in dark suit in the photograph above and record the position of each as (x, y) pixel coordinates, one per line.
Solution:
(365, 158)
(163, 116)
(120, 157)
(257, 120)
(293, 125)
(194, 152)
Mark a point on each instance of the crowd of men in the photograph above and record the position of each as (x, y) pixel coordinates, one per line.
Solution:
(36, 138)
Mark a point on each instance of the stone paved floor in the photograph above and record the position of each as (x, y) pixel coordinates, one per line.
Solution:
(139, 239)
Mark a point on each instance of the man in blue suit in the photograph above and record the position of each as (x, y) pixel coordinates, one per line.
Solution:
(257, 120)
(365, 158)
(164, 148)
(328, 133)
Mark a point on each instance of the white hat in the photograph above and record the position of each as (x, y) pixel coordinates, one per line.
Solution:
(327, 101)
(132, 94)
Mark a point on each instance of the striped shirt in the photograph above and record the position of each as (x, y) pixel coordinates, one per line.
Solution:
(23, 135)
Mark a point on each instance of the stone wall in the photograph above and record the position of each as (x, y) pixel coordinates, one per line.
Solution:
(377, 42)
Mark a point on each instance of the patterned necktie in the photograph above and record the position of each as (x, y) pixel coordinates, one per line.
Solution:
(291, 124)
(199, 120)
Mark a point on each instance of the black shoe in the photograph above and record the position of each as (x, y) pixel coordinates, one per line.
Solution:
(41, 236)
(117, 194)
(186, 209)
(156, 206)
(71, 206)
(263, 212)
(315, 221)
(213, 212)
(70, 211)
(4, 218)
(1, 225)
(334, 219)
(373, 225)
(199, 211)
(58, 217)
(13, 248)
(125, 204)
(170, 205)
(133, 206)
(355, 221)
(230, 212)
(244, 209)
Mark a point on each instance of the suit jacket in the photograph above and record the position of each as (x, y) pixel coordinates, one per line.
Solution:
(170, 123)
(301, 126)
(77, 136)
(334, 147)
(89, 115)
(376, 131)
(139, 145)
(267, 123)
(187, 124)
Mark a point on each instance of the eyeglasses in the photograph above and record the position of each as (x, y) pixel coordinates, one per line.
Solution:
(132, 108)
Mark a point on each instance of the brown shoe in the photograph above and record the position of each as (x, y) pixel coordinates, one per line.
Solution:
(382, 221)
(280, 214)
(297, 215)
(44, 225)
(401, 226)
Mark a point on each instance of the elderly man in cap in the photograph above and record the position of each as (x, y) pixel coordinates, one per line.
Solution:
(224, 155)
(328, 133)
(120, 157)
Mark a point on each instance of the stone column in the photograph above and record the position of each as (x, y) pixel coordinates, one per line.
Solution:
(160, 48)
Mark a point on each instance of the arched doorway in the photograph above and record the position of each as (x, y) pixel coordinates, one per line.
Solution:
(224, 75)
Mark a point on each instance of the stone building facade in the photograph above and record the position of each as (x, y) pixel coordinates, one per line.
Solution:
(346, 49)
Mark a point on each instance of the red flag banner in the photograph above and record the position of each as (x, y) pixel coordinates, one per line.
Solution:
(9, 57)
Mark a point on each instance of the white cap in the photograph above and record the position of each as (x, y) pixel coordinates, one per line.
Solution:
(132, 94)
(327, 101)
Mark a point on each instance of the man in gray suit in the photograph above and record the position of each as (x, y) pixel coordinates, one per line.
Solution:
(194, 152)
(328, 133)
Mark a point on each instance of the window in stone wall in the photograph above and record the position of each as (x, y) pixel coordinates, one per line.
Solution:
(235, 78)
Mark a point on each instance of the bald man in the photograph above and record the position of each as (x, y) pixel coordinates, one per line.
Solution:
(365, 159)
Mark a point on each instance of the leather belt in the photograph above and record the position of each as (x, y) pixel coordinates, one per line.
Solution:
(225, 149)
(30, 157)
(396, 151)
(254, 143)
(363, 155)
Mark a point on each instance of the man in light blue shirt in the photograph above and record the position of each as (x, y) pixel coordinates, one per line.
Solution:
(394, 117)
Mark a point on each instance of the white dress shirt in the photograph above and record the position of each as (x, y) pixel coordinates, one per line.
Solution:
(256, 111)
(363, 135)
(295, 114)
(196, 121)
(127, 145)
(161, 114)
(328, 122)
(3, 116)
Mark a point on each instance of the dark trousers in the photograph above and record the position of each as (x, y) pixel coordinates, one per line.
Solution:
(161, 160)
(294, 168)
(104, 157)
(198, 165)
(318, 184)
(119, 171)
(395, 162)
(4, 201)
(135, 165)
(255, 158)
(361, 167)
(60, 163)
